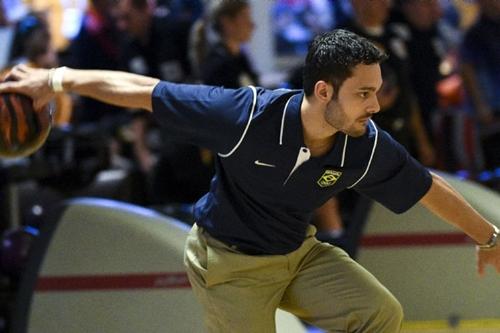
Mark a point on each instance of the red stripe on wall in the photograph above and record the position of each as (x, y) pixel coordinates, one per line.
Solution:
(179, 280)
(171, 280)
(403, 240)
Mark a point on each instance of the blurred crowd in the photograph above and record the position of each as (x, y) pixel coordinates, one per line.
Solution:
(440, 97)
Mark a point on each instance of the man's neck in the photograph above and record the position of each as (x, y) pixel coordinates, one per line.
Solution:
(318, 135)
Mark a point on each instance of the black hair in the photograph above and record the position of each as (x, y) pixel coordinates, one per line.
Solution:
(333, 55)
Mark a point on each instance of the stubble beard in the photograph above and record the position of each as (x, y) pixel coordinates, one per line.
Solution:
(336, 117)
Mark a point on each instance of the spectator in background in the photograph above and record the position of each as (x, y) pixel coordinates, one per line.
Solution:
(481, 74)
(152, 45)
(432, 43)
(400, 114)
(32, 41)
(218, 42)
(427, 49)
(184, 13)
(97, 46)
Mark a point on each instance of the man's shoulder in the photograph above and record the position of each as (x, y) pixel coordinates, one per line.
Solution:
(274, 99)
(273, 95)
(373, 137)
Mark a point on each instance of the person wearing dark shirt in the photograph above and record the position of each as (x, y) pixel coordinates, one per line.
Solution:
(96, 46)
(218, 45)
(227, 69)
(281, 154)
(152, 43)
(480, 58)
(427, 49)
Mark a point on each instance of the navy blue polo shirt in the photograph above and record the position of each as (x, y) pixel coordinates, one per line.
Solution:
(267, 185)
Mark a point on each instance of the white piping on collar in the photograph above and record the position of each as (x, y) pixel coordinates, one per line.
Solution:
(371, 156)
(303, 156)
(343, 151)
(283, 120)
(254, 103)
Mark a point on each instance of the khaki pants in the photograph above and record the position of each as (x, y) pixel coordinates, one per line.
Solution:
(318, 283)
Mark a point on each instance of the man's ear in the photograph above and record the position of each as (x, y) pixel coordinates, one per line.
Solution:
(323, 91)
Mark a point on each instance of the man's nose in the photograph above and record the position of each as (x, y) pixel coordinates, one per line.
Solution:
(375, 106)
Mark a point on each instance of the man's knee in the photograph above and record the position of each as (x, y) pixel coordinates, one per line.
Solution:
(387, 314)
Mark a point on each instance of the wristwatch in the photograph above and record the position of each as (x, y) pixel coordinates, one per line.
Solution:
(493, 240)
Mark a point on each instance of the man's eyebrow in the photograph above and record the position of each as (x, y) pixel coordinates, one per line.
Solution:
(367, 88)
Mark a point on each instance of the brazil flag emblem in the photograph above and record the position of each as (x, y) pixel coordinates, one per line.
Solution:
(329, 178)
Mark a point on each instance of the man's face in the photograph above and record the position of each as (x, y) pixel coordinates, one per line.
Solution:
(356, 101)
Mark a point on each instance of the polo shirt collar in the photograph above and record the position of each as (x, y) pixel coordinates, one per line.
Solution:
(291, 133)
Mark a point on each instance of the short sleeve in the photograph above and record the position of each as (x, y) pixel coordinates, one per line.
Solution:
(206, 116)
(395, 179)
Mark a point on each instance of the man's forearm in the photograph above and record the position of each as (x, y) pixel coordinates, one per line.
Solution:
(117, 88)
(448, 204)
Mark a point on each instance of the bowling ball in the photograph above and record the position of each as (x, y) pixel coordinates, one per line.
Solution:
(22, 128)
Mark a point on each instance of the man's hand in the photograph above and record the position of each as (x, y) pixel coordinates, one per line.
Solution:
(487, 257)
(448, 204)
(31, 82)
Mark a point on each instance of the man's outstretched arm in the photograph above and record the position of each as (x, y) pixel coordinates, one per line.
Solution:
(112, 87)
(448, 204)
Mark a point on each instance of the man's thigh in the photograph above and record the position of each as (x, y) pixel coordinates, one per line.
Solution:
(239, 293)
(333, 292)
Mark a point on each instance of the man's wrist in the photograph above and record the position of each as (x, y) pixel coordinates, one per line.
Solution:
(56, 77)
(492, 242)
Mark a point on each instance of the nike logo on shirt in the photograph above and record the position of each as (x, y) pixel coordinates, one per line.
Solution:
(259, 163)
